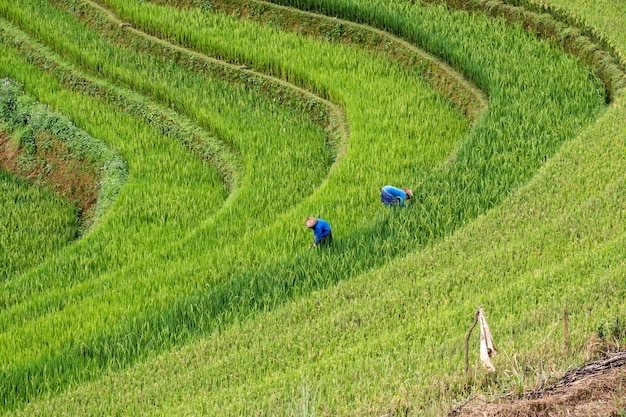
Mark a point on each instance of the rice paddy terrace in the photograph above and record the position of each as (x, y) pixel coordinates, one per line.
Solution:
(159, 159)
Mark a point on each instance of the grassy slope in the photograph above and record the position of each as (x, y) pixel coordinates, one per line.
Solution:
(386, 346)
(86, 273)
(375, 343)
(33, 222)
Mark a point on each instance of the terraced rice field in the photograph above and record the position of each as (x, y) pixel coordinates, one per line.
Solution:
(213, 129)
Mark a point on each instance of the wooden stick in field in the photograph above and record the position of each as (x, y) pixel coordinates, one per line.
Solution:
(487, 347)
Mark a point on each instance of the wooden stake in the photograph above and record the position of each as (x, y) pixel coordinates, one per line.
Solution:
(487, 347)
(566, 329)
(467, 343)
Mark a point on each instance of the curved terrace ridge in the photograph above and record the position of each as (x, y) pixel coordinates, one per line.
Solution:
(470, 101)
(466, 97)
(163, 120)
(117, 23)
(24, 306)
(334, 121)
(560, 28)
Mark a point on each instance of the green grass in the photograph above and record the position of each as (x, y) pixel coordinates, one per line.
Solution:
(493, 224)
(34, 129)
(605, 18)
(86, 276)
(34, 223)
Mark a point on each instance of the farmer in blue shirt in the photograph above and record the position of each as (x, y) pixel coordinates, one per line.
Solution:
(321, 231)
(391, 195)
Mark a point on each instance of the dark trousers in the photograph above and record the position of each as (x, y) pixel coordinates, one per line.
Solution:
(387, 198)
(326, 239)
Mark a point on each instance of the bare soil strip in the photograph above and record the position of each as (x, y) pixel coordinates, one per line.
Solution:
(596, 388)
(76, 180)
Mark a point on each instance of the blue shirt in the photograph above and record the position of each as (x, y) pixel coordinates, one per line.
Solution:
(320, 230)
(391, 195)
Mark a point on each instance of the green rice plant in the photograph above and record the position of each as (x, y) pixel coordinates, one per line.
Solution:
(157, 274)
(26, 120)
(79, 289)
(174, 217)
(34, 223)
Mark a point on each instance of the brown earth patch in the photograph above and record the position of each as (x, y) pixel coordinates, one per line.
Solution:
(597, 388)
(53, 166)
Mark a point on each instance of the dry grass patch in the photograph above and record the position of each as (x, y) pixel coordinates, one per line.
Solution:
(597, 388)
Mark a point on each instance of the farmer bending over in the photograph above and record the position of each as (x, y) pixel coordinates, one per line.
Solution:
(391, 195)
(321, 231)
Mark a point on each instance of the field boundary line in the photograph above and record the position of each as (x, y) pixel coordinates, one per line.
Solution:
(550, 25)
(339, 121)
(454, 77)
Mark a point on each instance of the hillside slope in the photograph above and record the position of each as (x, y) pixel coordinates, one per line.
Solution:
(391, 341)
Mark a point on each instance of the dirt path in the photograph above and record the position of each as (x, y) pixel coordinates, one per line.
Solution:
(597, 388)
